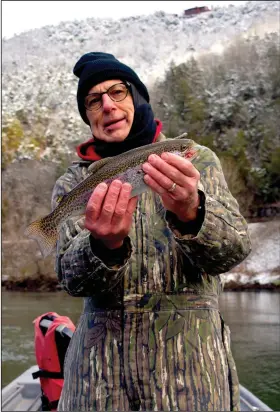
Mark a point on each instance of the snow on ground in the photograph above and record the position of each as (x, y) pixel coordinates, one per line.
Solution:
(262, 266)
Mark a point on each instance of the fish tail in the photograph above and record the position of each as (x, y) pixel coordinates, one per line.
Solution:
(45, 233)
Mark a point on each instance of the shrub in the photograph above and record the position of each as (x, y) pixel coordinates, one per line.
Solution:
(12, 135)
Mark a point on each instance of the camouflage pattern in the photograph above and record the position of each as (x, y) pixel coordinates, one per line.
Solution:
(151, 336)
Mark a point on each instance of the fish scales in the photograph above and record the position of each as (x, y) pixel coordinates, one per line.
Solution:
(122, 166)
(117, 165)
(126, 167)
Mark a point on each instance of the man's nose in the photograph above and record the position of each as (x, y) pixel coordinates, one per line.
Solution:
(107, 103)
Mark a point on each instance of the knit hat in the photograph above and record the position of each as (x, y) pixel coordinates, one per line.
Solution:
(96, 67)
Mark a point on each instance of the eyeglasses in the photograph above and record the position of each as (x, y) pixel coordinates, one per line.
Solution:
(117, 93)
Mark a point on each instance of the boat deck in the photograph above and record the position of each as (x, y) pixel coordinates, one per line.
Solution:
(24, 394)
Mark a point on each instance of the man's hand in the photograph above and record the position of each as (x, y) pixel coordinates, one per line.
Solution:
(161, 174)
(109, 213)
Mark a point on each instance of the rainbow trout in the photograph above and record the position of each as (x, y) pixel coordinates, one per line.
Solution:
(126, 167)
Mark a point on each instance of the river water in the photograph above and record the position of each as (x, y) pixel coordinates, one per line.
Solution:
(253, 317)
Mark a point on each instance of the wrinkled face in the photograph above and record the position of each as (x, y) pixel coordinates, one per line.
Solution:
(113, 120)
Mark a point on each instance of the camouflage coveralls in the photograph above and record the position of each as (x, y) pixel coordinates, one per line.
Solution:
(151, 336)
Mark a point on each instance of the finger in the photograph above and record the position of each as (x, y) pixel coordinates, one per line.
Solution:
(110, 202)
(94, 205)
(122, 203)
(132, 205)
(182, 164)
(166, 176)
(178, 193)
(176, 164)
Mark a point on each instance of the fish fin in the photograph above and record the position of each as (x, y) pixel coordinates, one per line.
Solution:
(98, 164)
(139, 190)
(60, 198)
(181, 136)
(45, 235)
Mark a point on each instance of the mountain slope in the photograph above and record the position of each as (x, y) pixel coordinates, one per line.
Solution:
(39, 88)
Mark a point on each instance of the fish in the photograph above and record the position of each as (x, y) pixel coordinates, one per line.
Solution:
(126, 167)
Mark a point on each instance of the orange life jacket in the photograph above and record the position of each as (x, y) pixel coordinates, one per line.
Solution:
(52, 337)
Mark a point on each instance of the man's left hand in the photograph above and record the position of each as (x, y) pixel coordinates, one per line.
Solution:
(175, 179)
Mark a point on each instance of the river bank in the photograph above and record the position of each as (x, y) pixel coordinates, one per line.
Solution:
(52, 285)
(23, 268)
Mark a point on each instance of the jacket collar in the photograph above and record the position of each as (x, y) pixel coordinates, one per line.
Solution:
(86, 150)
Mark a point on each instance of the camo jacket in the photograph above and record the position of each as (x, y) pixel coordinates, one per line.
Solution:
(151, 336)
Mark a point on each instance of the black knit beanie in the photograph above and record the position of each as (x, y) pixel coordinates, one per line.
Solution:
(96, 67)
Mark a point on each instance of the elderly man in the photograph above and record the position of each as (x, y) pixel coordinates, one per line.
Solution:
(151, 336)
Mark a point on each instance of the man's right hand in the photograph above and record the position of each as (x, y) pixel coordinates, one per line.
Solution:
(109, 213)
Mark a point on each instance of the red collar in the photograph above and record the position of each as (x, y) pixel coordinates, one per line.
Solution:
(86, 150)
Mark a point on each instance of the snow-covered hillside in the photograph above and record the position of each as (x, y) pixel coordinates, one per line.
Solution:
(262, 266)
(39, 87)
(37, 65)
(148, 43)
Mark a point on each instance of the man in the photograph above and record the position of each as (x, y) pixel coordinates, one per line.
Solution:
(151, 336)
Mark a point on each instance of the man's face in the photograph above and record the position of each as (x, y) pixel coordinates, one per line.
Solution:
(113, 120)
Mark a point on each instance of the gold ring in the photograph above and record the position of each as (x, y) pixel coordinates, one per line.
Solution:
(173, 187)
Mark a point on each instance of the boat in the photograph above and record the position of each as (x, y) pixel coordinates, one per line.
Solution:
(24, 394)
